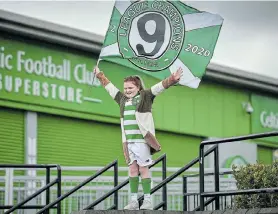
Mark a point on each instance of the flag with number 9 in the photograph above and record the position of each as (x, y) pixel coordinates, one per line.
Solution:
(158, 37)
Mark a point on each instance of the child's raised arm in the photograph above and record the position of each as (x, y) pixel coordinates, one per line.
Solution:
(101, 77)
(164, 84)
(110, 88)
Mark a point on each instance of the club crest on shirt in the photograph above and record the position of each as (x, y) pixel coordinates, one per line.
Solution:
(136, 100)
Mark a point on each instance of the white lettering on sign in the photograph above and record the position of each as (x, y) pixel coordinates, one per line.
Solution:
(44, 67)
(82, 76)
(31, 73)
(36, 88)
(269, 120)
(18, 84)
(5, 59)
(27, 86)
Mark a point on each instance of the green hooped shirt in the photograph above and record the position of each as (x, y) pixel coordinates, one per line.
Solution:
(131, 128)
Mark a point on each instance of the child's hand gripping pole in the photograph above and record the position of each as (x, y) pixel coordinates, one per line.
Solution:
(96, 70)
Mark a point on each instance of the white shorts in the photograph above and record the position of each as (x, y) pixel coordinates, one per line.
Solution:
(140, 152)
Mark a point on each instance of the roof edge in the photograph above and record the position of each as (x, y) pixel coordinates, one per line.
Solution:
(51, 32)
(63, 35)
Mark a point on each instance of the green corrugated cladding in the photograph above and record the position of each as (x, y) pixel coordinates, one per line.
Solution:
(265, 155)
(212, 110)
(75, 142)
(180, 149)
(11, 136)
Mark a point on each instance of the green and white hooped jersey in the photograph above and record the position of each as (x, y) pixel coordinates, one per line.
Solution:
(131, 128)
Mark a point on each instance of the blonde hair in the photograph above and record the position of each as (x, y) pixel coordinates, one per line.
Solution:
(136, 80)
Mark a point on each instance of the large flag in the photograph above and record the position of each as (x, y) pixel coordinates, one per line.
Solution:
(158, 37)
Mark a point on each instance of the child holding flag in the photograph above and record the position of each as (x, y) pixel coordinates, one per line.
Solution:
(138, 132)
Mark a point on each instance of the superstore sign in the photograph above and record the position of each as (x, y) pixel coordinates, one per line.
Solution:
(38, 75)
(44, 67)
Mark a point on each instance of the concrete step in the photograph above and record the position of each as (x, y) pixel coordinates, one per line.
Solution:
(239, 211)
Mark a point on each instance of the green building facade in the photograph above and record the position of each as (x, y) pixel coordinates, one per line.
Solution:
(53, 110)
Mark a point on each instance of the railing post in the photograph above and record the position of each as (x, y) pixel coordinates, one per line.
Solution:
(47, 201)
(116, 184)
(216, 176)
(202, 177)
(184, 190)
(9, 186)
(164, 176)
(59, 187)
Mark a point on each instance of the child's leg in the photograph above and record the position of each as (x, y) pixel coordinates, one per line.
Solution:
(134, 180)
(146, 182)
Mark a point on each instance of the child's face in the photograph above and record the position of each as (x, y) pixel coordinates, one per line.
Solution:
(130, 90)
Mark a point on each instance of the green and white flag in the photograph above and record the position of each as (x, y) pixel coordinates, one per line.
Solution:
(158, 37)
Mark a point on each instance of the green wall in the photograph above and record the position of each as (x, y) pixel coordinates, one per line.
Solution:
(183, 116)
(11, 136)
(265, 117)
(180, 149)
(211, 110)
(76, 142)
(265, 155)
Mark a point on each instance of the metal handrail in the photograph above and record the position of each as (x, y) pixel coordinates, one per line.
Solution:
(44, 188)
(216, 167)
(186, 194)
(208, 174)
(58, 200)
(234, 192)
(241, 192)
(180, 171)
(207, 202)
(239, 138)
(31, 196)
(121, 185)
(28, 166)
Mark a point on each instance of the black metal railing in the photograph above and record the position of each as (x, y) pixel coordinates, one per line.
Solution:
(162, 185)
(59, 199)
(217, 193)
(187, 196)
(179, 172)
(121, 185)
(20, 205)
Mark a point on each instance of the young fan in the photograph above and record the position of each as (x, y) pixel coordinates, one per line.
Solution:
(138, 131)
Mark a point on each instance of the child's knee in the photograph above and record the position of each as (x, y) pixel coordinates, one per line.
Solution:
(133, 170)
(144, 171)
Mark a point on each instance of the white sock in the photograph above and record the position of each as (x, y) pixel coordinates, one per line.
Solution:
(147, 197)
(134, 196)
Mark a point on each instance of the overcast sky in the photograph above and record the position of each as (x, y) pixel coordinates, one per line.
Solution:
(248, 39)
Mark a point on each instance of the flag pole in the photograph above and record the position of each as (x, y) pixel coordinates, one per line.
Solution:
(95, 74)
(98, 61)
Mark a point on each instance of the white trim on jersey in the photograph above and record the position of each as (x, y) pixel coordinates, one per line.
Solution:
(130, 122)
(127, 132)
(129, 112)
(136, 141)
